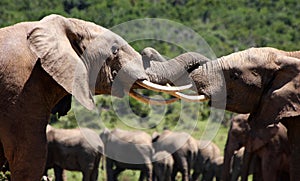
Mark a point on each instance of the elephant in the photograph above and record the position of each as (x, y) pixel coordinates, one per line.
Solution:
(78, 149)
(269, 144)
(43, 61)
(162, 166)
(260, 81)
(181, 146)
(127, 150)
(207, 153)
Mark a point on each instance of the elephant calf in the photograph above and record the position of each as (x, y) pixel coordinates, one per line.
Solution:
(75, 150)
(163, 166)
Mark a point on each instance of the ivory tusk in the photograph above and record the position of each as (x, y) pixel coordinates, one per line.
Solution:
(160, 88)
(148, 100)
(190, 98)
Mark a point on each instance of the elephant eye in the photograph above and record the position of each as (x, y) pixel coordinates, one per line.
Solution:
(115, 50)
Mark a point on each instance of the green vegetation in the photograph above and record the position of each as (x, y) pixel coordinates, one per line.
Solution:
(227, 26)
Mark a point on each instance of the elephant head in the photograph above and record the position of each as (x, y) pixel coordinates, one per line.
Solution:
(260, 81)
(85, 58)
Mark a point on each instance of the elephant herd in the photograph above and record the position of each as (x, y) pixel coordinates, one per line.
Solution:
(264, 154)
(158, 157)
(42, 62)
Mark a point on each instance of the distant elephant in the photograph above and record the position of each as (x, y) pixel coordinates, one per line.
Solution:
(214, 169)
(43, 61)
(163, 164)
(269, 144)
(261, 81)
(127, 150)
(207, 153)
(75, 150)
(182, 146)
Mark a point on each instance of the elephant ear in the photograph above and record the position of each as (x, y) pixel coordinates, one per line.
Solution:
(53, 41)
(282, 95)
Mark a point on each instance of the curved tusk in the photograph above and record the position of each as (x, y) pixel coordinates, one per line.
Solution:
(190, 98)
(160, 88)
(152, 101)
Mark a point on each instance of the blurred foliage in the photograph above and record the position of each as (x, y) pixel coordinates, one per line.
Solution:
(227, 26)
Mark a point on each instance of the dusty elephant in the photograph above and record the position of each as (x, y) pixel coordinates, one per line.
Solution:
(163, 164)
(127, 150)
(260, 81)
(75, 150)
(43, 61)
(207, 153)
(182, 146)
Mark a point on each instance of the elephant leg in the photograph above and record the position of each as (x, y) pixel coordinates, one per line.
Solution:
(109, 169)
(26, 151)
(183, 168)
(146, 173)
(91, 173)
(197, 171)
(174, 173)
(293, 126)
(58, 172)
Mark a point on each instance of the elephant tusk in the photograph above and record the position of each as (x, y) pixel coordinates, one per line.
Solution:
(148, 100)
(160, 88)
(190, 98)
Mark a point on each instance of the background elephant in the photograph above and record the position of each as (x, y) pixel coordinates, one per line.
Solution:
(75, 150)
(182, 146)
(43, 61)
(163, 164)
(207, 153)
(260, 81)
(127, 150)
(270, 145)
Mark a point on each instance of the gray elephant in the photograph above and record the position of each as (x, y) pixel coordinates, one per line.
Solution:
(182, 146)
(163, 164)
(207, 153)
(260, 81)
(75, 150)
(127, 150)
(43, 61)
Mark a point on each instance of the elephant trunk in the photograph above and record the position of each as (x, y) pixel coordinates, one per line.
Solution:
(176, 70)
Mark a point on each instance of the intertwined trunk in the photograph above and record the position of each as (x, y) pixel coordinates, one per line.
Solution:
(176, 70)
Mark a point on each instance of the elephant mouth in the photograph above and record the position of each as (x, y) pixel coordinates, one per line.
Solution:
(175, 91)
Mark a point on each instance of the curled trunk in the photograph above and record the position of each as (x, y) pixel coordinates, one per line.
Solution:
(175, 71)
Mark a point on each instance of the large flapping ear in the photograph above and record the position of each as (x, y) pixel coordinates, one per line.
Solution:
(281, 98)
(52, 40)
